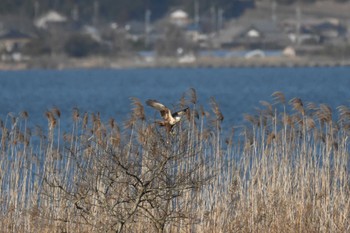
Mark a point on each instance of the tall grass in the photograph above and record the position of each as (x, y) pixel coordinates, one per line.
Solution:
(284, 170)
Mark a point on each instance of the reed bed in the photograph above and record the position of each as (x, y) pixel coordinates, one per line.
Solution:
(284, 170)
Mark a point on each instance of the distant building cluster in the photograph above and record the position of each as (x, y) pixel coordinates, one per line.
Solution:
(178, 34)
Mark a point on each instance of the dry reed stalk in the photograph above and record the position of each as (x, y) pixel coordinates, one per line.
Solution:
(285, 172)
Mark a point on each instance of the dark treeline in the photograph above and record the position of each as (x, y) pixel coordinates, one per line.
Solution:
(120, 10)
(124, 10)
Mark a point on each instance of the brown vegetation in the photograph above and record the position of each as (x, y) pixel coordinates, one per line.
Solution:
(287, 171)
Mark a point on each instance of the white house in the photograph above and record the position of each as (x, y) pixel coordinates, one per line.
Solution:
(179, 17)
(48, 18)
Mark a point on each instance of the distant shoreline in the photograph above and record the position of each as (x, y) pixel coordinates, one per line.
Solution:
(137, 62)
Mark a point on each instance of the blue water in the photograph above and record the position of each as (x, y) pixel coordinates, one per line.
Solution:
(237, 90)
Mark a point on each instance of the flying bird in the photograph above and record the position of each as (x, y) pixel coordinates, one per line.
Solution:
(169, 119)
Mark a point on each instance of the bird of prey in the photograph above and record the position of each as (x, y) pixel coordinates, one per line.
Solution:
(169, 119)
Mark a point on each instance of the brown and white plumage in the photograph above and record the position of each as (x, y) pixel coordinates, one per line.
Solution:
(169, 119)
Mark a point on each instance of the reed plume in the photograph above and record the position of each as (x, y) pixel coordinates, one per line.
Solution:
(56, 111)
(324, 113)
(297, 105)
(24, 115)
(51, 120)
(279, 97)
(216, 109)
(75, 114)
(193, 94)
(138, 109)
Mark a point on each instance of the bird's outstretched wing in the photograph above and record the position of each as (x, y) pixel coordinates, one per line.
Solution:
(155, 104)
(164, 111)
(181, 112)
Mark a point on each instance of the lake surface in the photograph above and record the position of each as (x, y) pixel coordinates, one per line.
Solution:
(237, 90)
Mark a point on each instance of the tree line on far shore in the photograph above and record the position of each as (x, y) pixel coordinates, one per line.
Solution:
(123, 10)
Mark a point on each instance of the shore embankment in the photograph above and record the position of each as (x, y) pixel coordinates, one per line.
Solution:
(96, 62)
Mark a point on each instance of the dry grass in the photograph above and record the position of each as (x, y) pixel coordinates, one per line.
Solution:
(285, 170)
